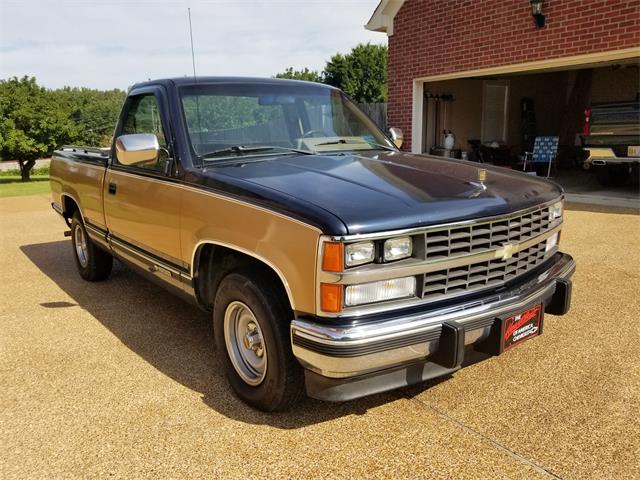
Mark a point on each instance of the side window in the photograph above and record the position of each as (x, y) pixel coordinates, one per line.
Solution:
(143, 116)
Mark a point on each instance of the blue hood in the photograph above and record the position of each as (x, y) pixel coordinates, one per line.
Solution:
(378, 191)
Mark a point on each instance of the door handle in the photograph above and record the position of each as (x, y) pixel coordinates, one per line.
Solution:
(112, 188)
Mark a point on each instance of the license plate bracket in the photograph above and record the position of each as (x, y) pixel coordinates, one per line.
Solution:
(510, 331)
(519, 328)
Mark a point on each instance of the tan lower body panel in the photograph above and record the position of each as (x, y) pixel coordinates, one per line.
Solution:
(172, 221)
(146, 213)
(287, 245)
(83, 183)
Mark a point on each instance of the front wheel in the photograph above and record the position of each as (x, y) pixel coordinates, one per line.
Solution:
(94, 264)
(251, 329)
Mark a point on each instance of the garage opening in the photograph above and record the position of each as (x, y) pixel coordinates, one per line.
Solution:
(592, 113)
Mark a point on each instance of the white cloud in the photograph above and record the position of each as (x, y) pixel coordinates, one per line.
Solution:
(109, 44)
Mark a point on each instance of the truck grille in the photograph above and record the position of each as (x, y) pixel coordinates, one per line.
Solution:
(477, 276)
(455, 242)
(480, 237)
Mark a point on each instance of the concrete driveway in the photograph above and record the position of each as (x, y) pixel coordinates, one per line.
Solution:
(119, 379)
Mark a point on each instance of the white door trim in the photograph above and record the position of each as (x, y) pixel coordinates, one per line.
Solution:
(417, 117)
(562, 63)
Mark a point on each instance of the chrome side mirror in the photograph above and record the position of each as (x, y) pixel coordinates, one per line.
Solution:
(396, 136)
(137, 149)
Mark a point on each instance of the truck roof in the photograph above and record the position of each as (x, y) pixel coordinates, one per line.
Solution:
(190, 80)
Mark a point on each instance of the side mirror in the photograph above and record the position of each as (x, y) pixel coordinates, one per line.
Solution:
(137, 149)
(396, 136)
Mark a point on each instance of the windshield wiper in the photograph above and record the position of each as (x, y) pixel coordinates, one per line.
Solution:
(342, 141)
(336, 142)
(248, 149)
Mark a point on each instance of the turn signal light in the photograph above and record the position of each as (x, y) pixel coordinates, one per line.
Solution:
(332, 257)
(331, 297)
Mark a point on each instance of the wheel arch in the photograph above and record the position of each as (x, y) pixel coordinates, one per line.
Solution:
(70, 206)
(207, 251)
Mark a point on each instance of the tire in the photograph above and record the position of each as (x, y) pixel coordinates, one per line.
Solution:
(620, 175)
(612, 175)
(93, 263)
(258, 361)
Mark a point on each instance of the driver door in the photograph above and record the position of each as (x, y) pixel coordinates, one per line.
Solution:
(142, 201)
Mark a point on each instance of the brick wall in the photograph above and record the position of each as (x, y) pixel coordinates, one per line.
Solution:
(433, 37)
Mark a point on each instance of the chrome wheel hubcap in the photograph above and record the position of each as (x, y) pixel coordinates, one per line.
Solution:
(245, 343)
(81, 246)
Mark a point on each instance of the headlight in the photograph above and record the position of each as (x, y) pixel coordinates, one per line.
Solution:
(359, 253)
(397, 248)
(380, 291)
(552, 242)
(555, 211)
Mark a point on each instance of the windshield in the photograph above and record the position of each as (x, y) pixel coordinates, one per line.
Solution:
(229, 120)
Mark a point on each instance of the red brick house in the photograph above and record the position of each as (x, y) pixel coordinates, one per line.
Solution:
(471, 66)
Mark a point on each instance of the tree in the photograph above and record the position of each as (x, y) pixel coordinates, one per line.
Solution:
(94, 111)
(306, 74)
(31, 125)
(34, 121)
(361, 74)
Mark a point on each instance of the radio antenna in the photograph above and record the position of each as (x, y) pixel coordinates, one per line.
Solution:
(193, 56)
(195, 78)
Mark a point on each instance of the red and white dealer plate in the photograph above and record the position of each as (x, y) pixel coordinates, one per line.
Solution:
(521, 327)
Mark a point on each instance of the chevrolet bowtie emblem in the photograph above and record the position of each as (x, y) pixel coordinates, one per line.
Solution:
(507, 251)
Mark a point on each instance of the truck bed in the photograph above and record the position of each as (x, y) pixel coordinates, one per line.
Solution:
(614, 120)
(77, 172)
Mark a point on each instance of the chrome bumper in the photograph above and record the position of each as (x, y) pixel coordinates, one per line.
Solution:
(601, 162)
(341, 352)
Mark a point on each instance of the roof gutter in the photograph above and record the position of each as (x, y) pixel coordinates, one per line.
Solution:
(382, 18)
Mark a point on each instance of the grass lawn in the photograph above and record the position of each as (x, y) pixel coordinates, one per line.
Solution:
(11, 186)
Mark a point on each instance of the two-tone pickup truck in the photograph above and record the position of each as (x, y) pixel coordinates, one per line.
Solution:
(332, 262)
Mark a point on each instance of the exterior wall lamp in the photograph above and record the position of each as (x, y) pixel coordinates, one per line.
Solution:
(536, 11)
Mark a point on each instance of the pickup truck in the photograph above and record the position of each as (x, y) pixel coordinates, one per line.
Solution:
(332, 262)
(611, 137)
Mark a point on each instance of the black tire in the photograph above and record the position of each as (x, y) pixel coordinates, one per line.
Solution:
(620, 175)
(97, 263)
(283, 380)
(612, 175)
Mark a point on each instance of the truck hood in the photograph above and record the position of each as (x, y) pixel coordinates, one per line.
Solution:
(383, 190)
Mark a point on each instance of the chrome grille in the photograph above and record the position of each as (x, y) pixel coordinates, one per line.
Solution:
(456, 242)
(481, 237)
(481, 275)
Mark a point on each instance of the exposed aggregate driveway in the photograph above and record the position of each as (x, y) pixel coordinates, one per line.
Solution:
(119, 379)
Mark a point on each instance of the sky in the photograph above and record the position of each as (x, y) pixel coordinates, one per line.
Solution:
(115, 43)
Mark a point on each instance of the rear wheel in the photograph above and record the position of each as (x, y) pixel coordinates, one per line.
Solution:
(613, 175)
(94, 264)
(251, 329)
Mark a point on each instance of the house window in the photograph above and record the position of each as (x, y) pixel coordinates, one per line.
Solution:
(495, 104)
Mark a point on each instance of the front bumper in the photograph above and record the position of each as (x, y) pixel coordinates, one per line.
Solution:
(346, 362)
